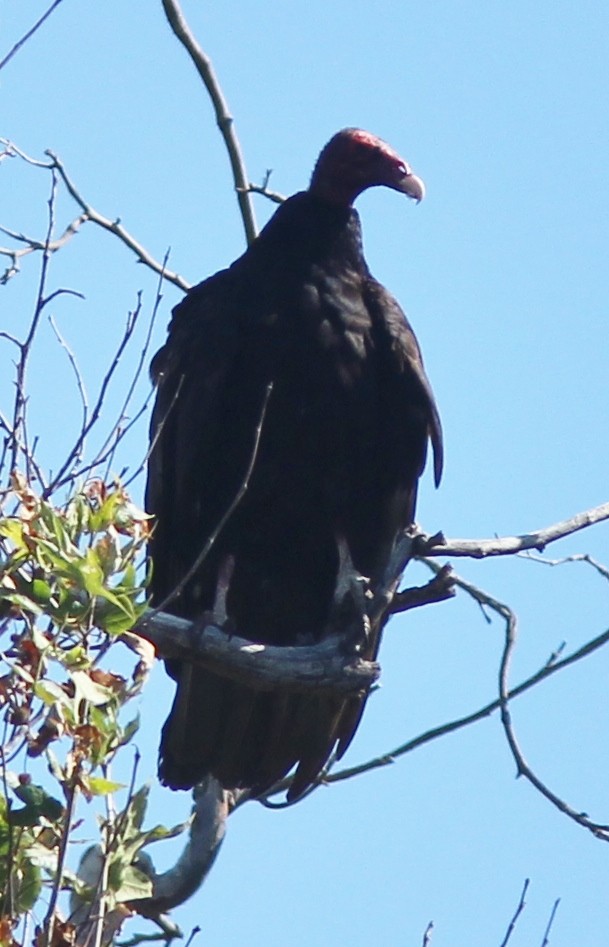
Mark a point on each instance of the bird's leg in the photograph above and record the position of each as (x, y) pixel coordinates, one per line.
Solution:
(351, 598)
(225, 574)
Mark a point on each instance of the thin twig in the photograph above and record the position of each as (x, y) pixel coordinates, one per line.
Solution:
(80, 384)
(427, 935)
(29, 33)
(76, 450)
(480, 714)
(224, 118)
(522, 767)
(51, 915)
(34, 245)
(114, 226)
(517, 913)
(546, 936)
(274, 196)
(19, 424)
(577, 557)
(138, 371)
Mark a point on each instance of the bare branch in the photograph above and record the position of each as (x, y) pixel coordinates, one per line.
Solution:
(18, 427)
(438, 589)
(173, 887)
(80, 384)
(274, 196)
(76, 451)
(224, 118)
(115, 227)
(577, 557)
(322, 666)
(389, 757)
(546, 936)
(89, 213)
(517, 914)
(29, 33)
(438, 545)
(523, 768)
(34, 245)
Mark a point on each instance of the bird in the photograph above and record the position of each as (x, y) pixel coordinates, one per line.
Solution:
(291, 426)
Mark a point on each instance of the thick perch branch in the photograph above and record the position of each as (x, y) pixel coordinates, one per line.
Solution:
(323, 666)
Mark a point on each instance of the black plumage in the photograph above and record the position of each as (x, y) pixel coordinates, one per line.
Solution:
(342, 445)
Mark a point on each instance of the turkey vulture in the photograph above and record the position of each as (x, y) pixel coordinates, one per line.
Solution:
(334, 465)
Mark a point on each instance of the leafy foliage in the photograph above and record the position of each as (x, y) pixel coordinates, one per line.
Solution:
(71, 584)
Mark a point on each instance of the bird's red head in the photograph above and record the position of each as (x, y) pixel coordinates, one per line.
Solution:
(354, 160)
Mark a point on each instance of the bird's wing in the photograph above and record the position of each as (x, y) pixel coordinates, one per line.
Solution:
(396, 332)
(189, 372)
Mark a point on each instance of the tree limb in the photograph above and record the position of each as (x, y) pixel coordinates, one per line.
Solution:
(323, 666)
(173, 887)
(438, 545)
(225, 120)
(89, 213)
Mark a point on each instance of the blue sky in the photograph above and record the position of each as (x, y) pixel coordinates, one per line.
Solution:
(502, 109)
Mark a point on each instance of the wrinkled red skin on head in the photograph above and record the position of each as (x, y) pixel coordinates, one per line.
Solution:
(352, 161)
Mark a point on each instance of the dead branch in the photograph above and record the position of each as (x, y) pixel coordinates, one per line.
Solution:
(519, 909)
(577, 557)
(88, 213)
(173, 887)
(274, 196)
(29, 34)
(550, 668)
(224, 118)
(438, 545)
(299, 668)
(438, 589)
(522, 767)
(115, 227)
(33, 245)
(546, 936)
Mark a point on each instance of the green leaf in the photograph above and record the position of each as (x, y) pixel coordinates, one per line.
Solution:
(136, 810)
(41, 590)
(12, 529)
(42, 857)
(29, 886)
(161, 832)
(103, 787)
(86, 689)
(76, 657)
(37, 803)
(129, 731)
(130, 883)
(20, 601)
(51, 694)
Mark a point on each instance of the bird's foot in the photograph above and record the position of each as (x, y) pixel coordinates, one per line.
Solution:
(352, 595)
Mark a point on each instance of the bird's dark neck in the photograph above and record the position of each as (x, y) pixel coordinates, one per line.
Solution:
(312, 230)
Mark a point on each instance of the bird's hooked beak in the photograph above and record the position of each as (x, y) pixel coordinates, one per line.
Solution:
(411, 185)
